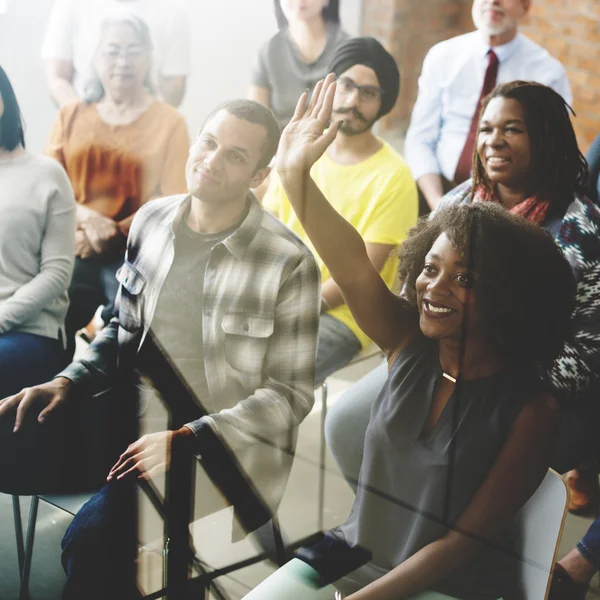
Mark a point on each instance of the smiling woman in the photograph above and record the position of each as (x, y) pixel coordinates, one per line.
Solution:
(120, 147)
(448, 460)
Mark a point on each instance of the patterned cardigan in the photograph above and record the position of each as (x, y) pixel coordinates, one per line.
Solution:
(577, 369)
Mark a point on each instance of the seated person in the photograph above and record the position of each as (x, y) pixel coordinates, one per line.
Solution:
(593, 158)
(462, 433)
(368, 183)
(543, 180)
(457, 74)
(218, 310)
(37, 241)
(72, 37)
(120, 148)
(296, 57)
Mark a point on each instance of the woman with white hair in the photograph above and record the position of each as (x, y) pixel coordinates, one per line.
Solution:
(120, 147)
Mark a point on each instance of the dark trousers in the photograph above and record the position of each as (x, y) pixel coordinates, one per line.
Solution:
(100, 546)
(93, 284)
(109, 520)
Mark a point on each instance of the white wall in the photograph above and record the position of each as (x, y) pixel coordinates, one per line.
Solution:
(225, 37)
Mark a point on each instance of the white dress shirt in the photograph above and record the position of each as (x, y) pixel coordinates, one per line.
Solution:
(450, 85)
(74, 30)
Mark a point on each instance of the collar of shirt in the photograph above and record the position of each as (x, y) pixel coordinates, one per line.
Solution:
(503, 52)
(237, 242)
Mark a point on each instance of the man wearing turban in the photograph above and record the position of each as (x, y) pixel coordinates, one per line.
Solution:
(367, 182)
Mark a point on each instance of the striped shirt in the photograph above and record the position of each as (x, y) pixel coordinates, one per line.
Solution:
(260, 318)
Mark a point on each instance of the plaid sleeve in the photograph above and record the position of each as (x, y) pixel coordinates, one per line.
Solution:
(287, 395)
(96, 370)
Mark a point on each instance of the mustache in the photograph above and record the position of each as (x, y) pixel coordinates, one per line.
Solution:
(347, 111)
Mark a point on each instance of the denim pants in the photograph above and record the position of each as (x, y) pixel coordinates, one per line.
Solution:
(589, 546)
(100, 546)
(336, 347)
(70, 451)
(27, 359)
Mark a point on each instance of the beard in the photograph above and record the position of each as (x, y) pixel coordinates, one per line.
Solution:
(492, 29)
(363, 125)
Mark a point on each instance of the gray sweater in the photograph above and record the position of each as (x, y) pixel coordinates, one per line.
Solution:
(37, 245)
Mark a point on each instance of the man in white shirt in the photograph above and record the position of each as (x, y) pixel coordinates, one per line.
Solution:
(72, 37)
(450, 86)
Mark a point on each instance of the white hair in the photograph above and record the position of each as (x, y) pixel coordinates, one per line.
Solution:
(93, 88)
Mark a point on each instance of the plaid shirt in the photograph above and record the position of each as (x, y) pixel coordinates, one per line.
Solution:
(259, 320)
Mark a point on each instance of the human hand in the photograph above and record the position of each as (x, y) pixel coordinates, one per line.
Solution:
(103, 234)
(83, 248)
(304, 140)
(49, 397)
(149, 456)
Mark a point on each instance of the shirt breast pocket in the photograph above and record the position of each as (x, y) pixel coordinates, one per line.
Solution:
(129, 297)
(246, 340)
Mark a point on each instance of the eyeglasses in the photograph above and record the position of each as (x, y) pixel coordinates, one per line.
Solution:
(112, 54)
(367, 93)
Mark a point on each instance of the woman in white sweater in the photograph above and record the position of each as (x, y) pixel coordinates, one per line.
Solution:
(37, 233)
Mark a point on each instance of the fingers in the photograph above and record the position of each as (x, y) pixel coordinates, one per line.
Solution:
(54, 405)
(324, 113)
(9, 403)
(125, 464)
(315, 97)
(300, 108)
(22, 408)
(326, 90)
(327, 138)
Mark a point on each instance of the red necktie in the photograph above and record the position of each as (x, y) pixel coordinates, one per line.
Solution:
(463, 169)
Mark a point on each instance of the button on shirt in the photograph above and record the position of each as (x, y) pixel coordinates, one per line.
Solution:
(259, 332)
(449, 87)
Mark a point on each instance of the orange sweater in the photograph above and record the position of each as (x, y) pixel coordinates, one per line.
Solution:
(114, 169)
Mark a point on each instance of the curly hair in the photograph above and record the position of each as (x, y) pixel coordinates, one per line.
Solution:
(558, 168)
(523, 284)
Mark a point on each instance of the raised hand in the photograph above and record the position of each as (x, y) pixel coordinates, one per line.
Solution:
(45, 398)
(304, 140)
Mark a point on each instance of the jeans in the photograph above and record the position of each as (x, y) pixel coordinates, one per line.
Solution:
(93, 284)
(27, 359)
(100, 546)
(589, 546)
(336, 347)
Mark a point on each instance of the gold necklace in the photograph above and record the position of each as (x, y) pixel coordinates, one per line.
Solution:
(449, 377)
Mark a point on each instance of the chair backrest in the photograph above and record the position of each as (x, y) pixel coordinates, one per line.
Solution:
(540, 526)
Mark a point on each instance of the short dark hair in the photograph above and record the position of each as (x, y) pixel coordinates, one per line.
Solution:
(253, 112)
(524, 286)
(12, 129)
(558, 168)
(331, 13)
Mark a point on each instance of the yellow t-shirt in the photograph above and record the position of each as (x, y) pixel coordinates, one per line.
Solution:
(378, 196)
